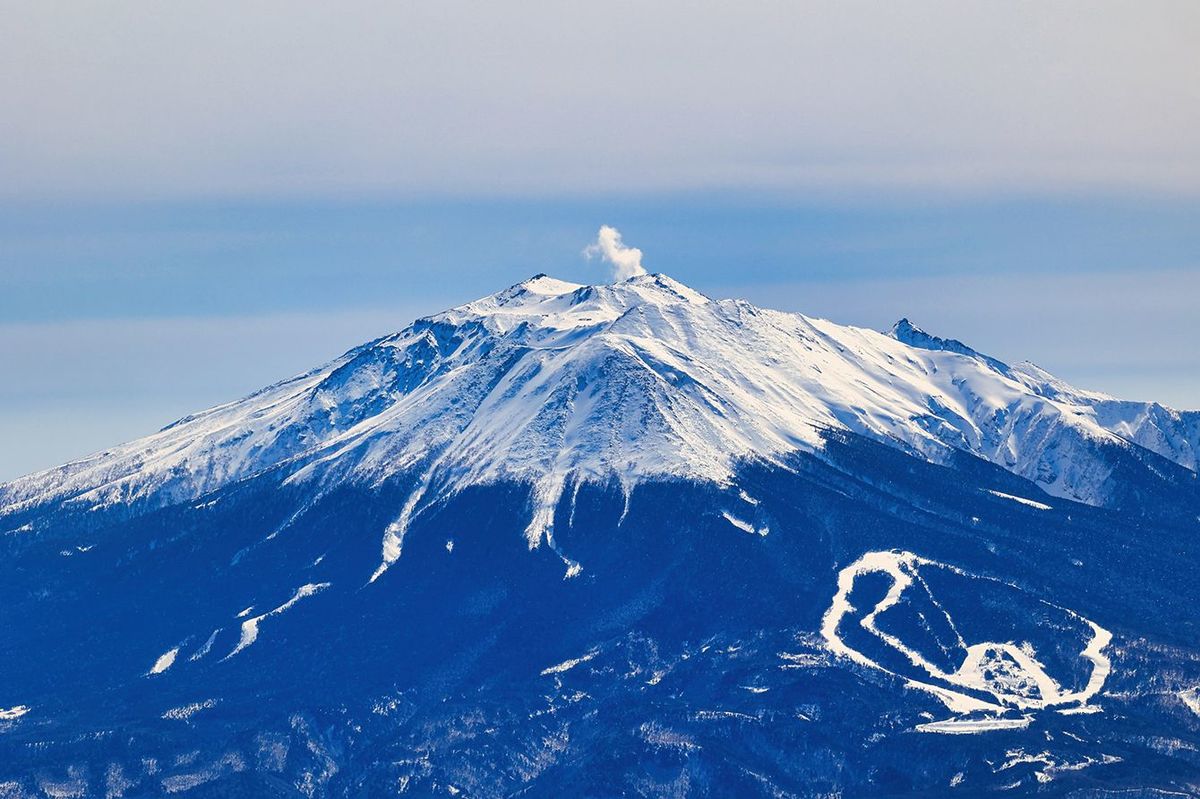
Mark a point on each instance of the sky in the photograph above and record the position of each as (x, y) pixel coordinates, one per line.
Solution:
(197, 200)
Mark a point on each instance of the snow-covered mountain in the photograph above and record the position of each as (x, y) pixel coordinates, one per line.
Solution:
(552, 383)
(617, 540)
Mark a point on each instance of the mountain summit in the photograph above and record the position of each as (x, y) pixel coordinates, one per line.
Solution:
(613, 540)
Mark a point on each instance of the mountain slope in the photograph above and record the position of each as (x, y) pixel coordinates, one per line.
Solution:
(552, 383)
(803, 560)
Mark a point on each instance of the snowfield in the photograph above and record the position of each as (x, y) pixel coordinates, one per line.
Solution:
(165, 661)
(250, 627)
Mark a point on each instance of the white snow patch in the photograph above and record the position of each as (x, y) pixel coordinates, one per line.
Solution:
(1052, 765)
(165, 661)
(974, 726)
(185, 712)
(393, 534)
(713, 715)
(206, 647)
(803, 660)
(250, 626)
(1031, 503)
(1191, 698)
(567, 665)
(744, 526)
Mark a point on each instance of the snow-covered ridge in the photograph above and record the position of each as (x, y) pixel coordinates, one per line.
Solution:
(551, 383)
(1173, 434)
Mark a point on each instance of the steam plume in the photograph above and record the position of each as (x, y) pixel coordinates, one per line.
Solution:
(626, 262)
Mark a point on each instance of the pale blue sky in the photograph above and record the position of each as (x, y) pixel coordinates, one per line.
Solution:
(196, 201)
